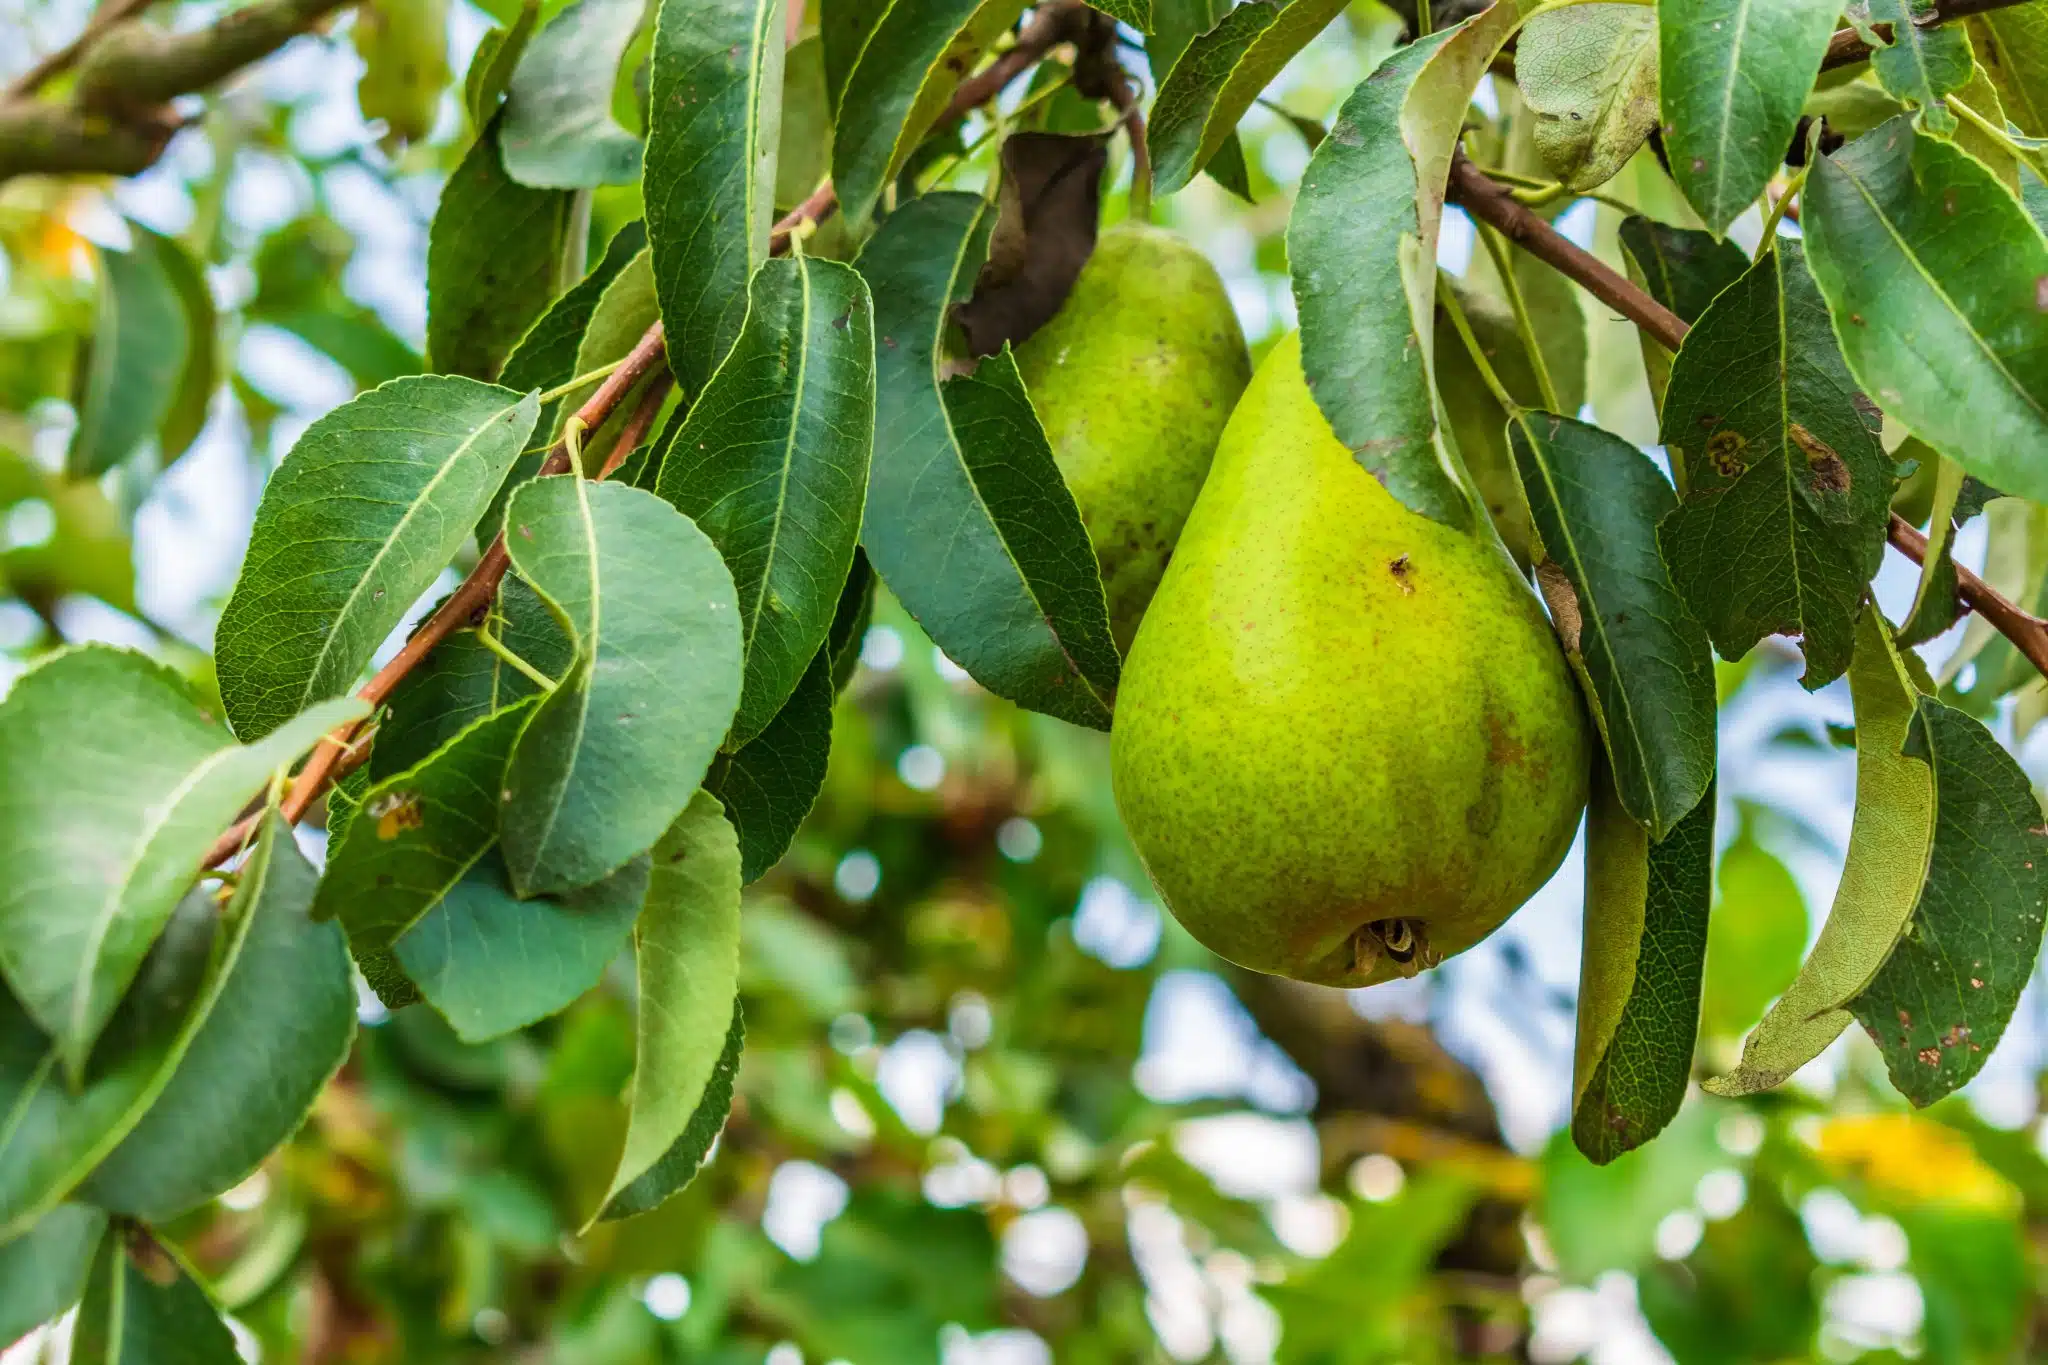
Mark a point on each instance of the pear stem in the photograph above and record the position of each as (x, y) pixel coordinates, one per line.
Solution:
(1505, 268)
(1448, 296)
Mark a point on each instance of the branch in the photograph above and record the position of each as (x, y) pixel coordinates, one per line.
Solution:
(1848, 46)
(108, 15)
(1490, 202)
(116, 122)
(340, 750)
(1050, 26)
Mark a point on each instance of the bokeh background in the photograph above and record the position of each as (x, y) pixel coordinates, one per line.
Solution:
(996, 1107)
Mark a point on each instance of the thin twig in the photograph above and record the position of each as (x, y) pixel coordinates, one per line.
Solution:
(339, 751)
(60, 61)
(1492, 203)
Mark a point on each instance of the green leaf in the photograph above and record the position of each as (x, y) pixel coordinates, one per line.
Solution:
(1363, 241)
(1685, 270)
(277, 1031)
(686, 948)
(612, 755)
(558, 131)
(545, 357)
(1922, 63)
(772, 465)
(1780, 459)
(1734, 75)
(844, 27)
(493, 253)
(1216, 78)
(462, 681)
(1881, 877)
(1641, 656)
(1590, 74)
(2012, 45)
(496, 58)
(803, 150)
(87, 549)
(1754, 938)
(117, 785)
(193, 397)
(142, 1307)
(1477, 420)
(418, 832)
(1957, 498)
(42, 1272)
(1176, 24)
(491, 963)
(624, 312)
(715, 95)
(1136, 13)
(1933, 274)
(404, 47)
(1942, 999)
(769, 784)
(1639, 981)
(914, 60)
(54, 1134)
(969, 521)
(358, 521)
(130, 369)
(677, 1166)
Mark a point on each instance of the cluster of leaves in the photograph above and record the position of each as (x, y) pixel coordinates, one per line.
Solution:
(676, 574)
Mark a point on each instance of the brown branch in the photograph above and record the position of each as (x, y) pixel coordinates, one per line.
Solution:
(1490, 202)
(340, 751)
(1848, 47)
(56, 63)
(117, 121)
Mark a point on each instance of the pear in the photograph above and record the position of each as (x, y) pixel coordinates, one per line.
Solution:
(1347, 744)
(1133, 380)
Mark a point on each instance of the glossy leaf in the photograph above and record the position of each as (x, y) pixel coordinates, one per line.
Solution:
(354, 526)
(912, 63)
(418, 832)
(1944, 996)
(772, 465)
(969, 521)
(493, 254)
(57, 1133)
(491, 963)
(117, 785)
(844, 27)
(715, 102)
(677, 1166)
(462, 681)
(545, 357)
(42, 1272)
(558, 131)
(1734, 75)
(769, 784)
(686, 948)
(1685, 270)
(622, 315)
(1214, 81)
(803, 148)
(2012, 45)
(1881, 876)
(1363, 240)
(1925, 59)
(496, 58)
(1639, 980)
(1590, 74)
(129, 370)
(1933, 274)
(1640, 654)
(142, 1307)
(612, 755)
(277, 1032)
(1780, 459)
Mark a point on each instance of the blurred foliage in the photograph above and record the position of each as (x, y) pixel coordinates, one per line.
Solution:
(950, 1139)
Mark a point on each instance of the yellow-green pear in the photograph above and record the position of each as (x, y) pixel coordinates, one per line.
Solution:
(1133, 380)
(1347, 744)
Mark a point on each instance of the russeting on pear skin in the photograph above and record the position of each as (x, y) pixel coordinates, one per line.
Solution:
(1133, 380)
(1347, 744)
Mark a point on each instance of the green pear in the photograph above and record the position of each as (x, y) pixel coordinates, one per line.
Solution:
(1347, 743)
(1133, 380)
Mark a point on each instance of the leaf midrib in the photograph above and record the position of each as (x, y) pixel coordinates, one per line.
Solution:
(1727, 119)
(307, 690)
(796, 408)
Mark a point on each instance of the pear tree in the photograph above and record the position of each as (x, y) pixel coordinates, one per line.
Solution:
(739, 312)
